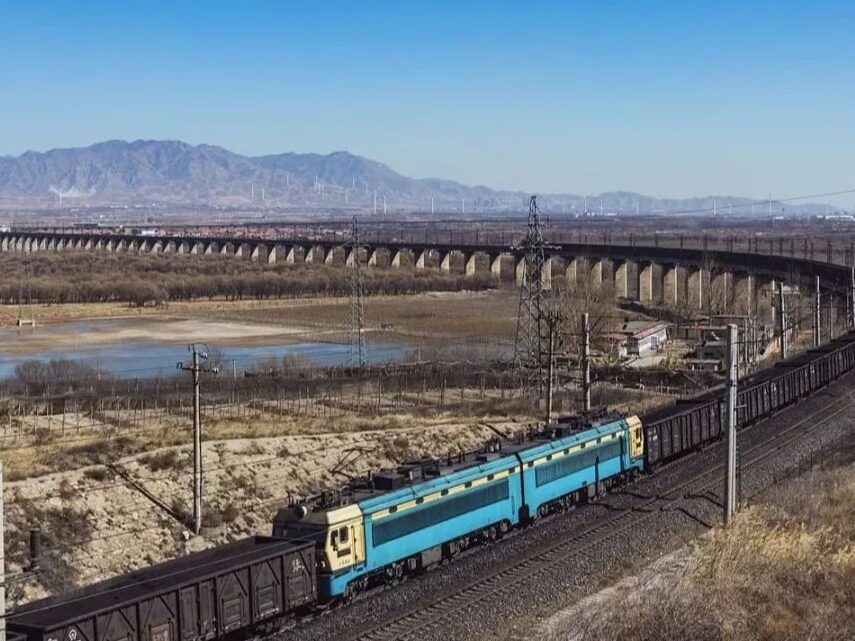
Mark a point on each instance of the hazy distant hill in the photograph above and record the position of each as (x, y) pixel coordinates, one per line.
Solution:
(168, 171)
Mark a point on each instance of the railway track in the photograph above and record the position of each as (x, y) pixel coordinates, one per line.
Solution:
(418, 620)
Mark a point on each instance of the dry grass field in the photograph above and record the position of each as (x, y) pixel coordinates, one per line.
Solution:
(430, 317)
(784, 572)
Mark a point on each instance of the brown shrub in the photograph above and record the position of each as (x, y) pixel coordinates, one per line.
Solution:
(159, 461)
(98, 473)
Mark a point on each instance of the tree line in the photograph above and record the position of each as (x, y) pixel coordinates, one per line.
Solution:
(152, 280)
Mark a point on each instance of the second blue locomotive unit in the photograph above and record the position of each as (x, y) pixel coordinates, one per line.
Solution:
(415, 516)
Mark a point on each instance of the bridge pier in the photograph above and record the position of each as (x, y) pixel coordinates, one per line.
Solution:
(470, 266)
(422, 259)
(721, 297)
(546, 276)
(314, 255)
(745, 293)
(496, 266)
(397, 259)
(621, 279)
(572, 271)
(646, 293)
(372, 257)
(291, 256)
(597, 273)
(445, 263)
(520, 272)
(271, 255)
(696, 294)
(675, 286)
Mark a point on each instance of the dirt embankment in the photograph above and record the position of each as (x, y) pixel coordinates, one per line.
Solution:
(95, 524)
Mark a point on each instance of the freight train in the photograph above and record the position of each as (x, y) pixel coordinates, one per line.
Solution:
(405, 520)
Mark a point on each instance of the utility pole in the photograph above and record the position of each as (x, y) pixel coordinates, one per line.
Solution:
(2, 564)
(195, 368)
(732, 374)
(817, 318)
(851, 311)
(551, 375)
(586, 363)
(782, 320)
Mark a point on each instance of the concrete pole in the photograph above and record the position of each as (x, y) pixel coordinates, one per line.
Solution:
(586, 363)
(551, 374)
(851, 311)
(197, 448)
(782, 320)
(732, 374)
(817, 319)
(2, 564)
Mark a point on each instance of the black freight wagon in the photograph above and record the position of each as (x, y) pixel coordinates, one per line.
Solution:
(205, 595)
(697, 420)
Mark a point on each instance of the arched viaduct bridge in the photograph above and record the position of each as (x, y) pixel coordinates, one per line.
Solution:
(694, 278)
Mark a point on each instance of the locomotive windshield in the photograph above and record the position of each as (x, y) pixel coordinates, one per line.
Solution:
(304, 531)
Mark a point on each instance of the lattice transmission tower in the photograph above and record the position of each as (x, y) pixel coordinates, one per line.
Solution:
(532, 341)
(357, 317)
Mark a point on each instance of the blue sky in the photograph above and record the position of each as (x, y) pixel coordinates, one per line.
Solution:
(666, 98)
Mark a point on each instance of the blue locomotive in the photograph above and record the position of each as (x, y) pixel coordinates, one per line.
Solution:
(408, 519)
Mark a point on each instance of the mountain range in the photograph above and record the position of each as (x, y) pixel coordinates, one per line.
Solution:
(169, 172)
